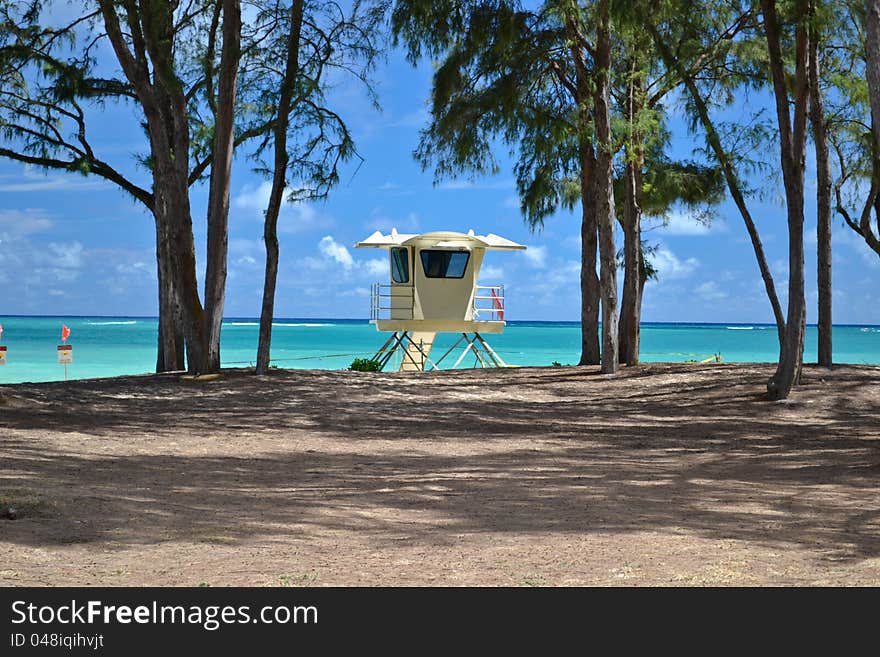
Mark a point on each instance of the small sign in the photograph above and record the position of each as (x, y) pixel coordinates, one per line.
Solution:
(65, 354)
(2, 355)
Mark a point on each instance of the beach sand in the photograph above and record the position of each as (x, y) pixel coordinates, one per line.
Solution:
(662, 475)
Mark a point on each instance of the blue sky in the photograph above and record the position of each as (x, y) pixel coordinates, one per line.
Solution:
(75, 245)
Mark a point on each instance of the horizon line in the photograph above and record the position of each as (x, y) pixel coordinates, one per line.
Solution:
(366, 321)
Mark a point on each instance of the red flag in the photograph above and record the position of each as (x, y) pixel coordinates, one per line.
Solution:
(65, 333)
(496, 301)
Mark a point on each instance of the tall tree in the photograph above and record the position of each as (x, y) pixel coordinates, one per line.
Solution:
(279, 183)
(792, 124)
(537, 79)
(177, 64)
(853, 130)
(52, 82)
(605, 188)
(48, 86)
(146, 52)
(631, 217)
(819, 124)
(223, 112)
(872, 53)
(648, 182)
(706, 47)
(318, 43)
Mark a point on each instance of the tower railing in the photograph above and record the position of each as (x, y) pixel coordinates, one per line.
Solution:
(488, 303)
(383, 302)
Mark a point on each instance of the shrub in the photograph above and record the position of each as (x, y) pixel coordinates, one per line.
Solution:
(364, 365)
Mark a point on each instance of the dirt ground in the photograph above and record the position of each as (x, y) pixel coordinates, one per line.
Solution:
(663, 475)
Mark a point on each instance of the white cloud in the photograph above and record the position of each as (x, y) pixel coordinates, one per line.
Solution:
(572, 242)
(710, 291)
(67, 255)
(848, 237)
(333, 249)
(380, 221)
(562, 279)
(297, 217)
(779, 268)
(457, 185)
(671, 267)
(679, 222)
(253, 198)
(17, 223)
(492, 274)
(536, 256)
(376, 267)
(134, 268)
(34, 180)
(418, 118)
(241, 246)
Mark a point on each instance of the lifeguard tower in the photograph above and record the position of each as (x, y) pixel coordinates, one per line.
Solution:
(433, 289)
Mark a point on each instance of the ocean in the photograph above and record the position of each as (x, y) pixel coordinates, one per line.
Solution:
(111, 346)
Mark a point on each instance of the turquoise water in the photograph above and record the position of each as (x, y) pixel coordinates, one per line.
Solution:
(110, 346)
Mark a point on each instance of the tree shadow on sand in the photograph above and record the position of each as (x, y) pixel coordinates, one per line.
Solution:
(540, 450)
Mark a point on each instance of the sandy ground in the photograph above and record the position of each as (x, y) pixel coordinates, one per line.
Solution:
(663, 475)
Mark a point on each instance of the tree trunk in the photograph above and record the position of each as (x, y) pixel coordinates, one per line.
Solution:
(170, 356)
(631, 305)
(823, 204)
(146, 56)
(590, 354)
(590, 291)
(218, 194)
(872, 50)
(279, 183)
(604, 181)
(792, 137)
(169, 135)
(172, 196)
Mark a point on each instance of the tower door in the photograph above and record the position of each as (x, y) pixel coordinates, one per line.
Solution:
(401, 282)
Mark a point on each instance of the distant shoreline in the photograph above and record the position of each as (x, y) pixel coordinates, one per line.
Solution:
(350, 320)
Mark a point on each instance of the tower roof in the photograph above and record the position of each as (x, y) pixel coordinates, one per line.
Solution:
(440, 239)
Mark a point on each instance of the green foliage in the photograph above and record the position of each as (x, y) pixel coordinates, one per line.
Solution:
(336, 45)
(52, 88)
(648, 272)
(365, 365)
(498, 84)
(507, 78)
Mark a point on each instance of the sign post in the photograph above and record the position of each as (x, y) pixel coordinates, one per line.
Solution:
(65, 351)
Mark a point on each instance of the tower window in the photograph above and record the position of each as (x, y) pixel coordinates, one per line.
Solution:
(444, 264)
(400, 265)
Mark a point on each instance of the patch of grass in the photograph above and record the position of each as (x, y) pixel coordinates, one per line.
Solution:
(365, 365)
(306, 579)
(534, 580)
(24, 501)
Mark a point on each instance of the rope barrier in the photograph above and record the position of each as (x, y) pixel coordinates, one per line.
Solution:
(384, 351)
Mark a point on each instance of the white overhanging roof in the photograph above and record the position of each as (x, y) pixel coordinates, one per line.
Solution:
(445, 239)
